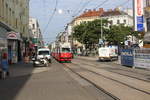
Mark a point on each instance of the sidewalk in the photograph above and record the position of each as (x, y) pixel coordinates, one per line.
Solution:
(21, 69)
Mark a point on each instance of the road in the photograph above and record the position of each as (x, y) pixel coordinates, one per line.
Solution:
(57, 83)
(121, 82)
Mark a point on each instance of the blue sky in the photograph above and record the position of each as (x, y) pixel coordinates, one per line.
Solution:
(43, 9)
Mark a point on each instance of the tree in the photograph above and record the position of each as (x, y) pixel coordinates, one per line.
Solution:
(89, 32)
(118, 34)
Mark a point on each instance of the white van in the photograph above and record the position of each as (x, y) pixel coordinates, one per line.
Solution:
(108, 53)
(44, 52)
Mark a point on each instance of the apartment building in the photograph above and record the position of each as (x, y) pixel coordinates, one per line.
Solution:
(14, 18)
(147, 18)
(35, 35)
(88, 15)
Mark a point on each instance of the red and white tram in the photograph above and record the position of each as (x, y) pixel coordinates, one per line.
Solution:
(62, 52)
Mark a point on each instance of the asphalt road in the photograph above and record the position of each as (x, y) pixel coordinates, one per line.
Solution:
(122, 82)
(57, 83)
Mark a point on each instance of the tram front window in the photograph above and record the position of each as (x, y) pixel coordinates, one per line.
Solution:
(65, 49)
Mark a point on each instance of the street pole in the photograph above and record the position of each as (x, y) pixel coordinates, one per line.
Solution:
(101, 30)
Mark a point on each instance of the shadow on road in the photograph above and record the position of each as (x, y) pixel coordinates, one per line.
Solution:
(19, 76)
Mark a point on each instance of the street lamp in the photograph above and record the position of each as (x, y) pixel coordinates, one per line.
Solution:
(101, 37)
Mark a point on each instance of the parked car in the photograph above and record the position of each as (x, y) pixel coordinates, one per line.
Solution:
(44, 52)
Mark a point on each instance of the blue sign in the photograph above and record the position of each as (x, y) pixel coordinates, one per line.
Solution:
(127, 57)
(140, 21)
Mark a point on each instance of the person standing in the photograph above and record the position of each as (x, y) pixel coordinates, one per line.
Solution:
(4, 64)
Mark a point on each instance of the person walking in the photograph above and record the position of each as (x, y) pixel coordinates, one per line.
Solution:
(4, 65)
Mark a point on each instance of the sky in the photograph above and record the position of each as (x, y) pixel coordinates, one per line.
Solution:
(43, 10)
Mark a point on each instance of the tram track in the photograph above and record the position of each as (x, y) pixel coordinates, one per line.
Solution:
(115, 80)
(119, 73)
(100, 87)
(96, 86)
(113, 70)
(114, 66)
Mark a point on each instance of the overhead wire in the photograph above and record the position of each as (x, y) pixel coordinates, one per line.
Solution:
(101, 4)
(124, 3)
(51, 17)
(82, 8)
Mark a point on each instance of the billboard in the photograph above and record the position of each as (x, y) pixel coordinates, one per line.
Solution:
(138, 15)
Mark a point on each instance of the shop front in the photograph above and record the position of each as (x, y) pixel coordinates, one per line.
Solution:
(14, 47)
(3, 42)
(3, 48)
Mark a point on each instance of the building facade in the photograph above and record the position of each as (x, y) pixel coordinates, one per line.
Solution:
(89, 15)
(147, 18)
(117, 17)
(35, 32)
(14, 18)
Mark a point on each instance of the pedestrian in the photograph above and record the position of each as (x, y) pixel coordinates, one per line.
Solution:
(26, 59)
(4, 64)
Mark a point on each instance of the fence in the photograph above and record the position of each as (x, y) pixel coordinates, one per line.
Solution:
(142, 58)
(138, 57)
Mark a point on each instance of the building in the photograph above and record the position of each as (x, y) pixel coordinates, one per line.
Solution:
(14, 18)
(147, 18)
(117, 17)
(35, 33)
(88, 15)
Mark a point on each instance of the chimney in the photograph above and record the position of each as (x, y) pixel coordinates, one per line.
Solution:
(94, 10)
(110, 10)
(117, 9)
(101, 9)
(89, 10)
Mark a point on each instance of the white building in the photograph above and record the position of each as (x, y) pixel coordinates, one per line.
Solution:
(35, 32)
(117, 17)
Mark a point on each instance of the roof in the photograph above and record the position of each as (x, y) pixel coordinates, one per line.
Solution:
(92, 13)
(113, 13)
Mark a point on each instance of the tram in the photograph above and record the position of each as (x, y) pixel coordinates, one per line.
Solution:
(62, 52)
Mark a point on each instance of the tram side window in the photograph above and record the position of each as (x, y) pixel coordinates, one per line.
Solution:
(65, 49)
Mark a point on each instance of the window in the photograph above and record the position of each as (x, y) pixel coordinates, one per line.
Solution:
(125, 21)
(65, 49)
(33, 26)
(44, 52)
(111, 22)
(118, 21)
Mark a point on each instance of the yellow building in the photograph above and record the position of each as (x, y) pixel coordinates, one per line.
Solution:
(14, 15)
(14, 27)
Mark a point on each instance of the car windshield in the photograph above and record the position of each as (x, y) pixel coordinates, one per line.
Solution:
(43, 52)
(65, 49)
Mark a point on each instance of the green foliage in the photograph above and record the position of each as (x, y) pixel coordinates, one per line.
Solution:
(89, 32)
(118, 34)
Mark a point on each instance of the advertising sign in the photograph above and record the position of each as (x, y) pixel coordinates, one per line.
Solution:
(127, 57)
(138, 15)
